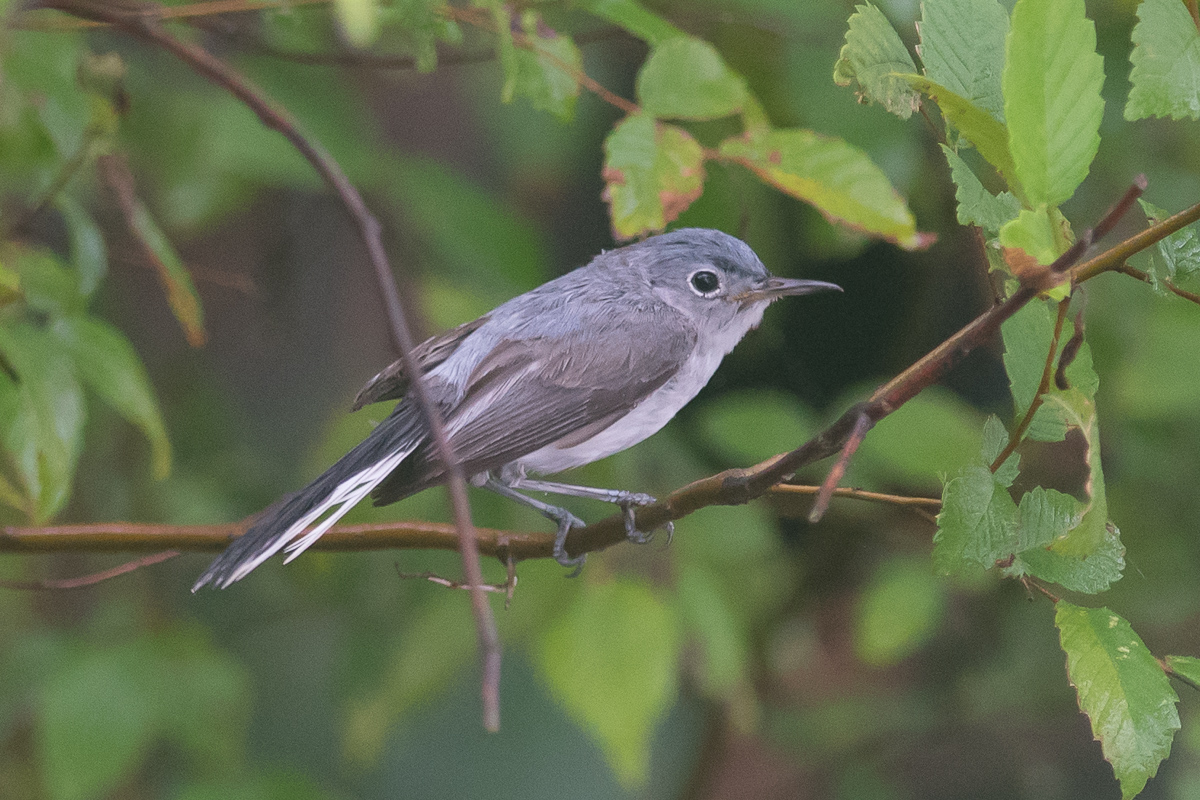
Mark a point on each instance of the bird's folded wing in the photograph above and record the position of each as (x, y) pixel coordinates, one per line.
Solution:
(530, 392)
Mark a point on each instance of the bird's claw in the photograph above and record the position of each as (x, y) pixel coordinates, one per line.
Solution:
(565, 522)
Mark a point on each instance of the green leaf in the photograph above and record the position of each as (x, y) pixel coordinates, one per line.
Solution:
(976, 205)
(89, 255)
(1040, 234)
(1122, 689)
(962, 48)
(1052, 81)
(611, 662)
(1027, 336)
(1166, 62)
(43, 426)
(876, 59)
(709, 618)
(1187, 667)
(935, 432)
(359, 20)
(898, 612)
(1046, 514)
(686, 78)
(439, 640)
(977, 524)
(181, 292)
(837, 178)
(980, 128)
(753, 425)
(635, 19)
(652, 172)
(995, 439)
(1090, 557)
(104, 709)
(96, 724)
(546, 76)
(107, 363)
(1179, 252)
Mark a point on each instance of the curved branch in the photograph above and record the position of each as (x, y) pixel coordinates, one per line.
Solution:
(144, 23)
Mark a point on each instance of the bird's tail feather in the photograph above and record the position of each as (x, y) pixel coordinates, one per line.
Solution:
(327, 499)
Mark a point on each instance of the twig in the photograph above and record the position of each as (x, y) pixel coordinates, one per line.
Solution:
(859, 494)
(1018, 433)
(1134, 272)
(144, 24)
(862, 426)
(94, 578)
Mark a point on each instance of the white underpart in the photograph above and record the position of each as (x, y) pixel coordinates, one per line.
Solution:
(347, 494)
(659, 408)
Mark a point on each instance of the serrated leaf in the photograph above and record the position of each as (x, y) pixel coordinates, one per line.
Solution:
(977, 523)
(1166, 62)
(1122, 689)
(962, 48)
(1039, 233)
(1187, 667)
(546, 75)
(1027, 336)
(1178, 254)
(898, 611)
(1052, 81)
(634, 18)
(1046, 514)
(686, 78)
(995, 439)
(652, 172)
(106, 362)
(611, 662)
(876, 58)
(1090, 557)
(837, 178)
(989, 135)
(976, 205)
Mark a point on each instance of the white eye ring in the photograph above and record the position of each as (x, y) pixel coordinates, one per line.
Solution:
(704, 282)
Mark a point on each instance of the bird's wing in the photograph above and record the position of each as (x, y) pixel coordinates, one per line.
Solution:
(393, 382)
(530, 392)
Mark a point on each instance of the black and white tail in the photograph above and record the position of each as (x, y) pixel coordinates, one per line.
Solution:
(286, 524)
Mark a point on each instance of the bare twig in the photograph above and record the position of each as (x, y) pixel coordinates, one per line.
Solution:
(862, 427)
(1018, 433)
(144, 23)
(859, 494)
(1134, 272)
(94, 578)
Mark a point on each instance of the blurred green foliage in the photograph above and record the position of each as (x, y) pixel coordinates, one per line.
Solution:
(757, 650)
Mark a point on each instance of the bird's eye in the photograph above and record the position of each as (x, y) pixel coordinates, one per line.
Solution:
(704, 282)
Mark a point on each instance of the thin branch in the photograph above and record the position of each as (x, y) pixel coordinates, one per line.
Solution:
(1018, 433)
(1134, 272)
(144, 24)
(859, 494)
(862, 426)
(94, 578)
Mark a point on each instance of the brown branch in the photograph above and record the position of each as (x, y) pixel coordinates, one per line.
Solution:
(859, 494)
(1134, 272)
(94, 578)
(144, 24)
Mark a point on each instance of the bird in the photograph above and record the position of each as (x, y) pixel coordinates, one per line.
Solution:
(583, 366)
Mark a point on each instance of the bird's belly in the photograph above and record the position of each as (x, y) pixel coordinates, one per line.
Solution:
(644, 420)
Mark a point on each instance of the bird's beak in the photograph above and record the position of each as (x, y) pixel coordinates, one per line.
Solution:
(773, 288)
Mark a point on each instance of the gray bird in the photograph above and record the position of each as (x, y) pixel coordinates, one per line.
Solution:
(577, 369)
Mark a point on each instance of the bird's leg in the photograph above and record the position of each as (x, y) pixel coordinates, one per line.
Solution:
(565, 520)
(627, 501)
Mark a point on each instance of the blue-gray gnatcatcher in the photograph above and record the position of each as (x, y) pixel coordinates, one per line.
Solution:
(577, 369)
